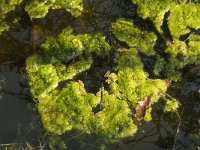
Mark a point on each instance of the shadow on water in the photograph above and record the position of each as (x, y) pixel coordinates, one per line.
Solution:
(20, 121)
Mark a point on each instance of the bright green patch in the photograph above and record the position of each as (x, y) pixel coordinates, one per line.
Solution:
(68, 46)
(110, 114)
(6, 6)
(134, 37)
(39, 8)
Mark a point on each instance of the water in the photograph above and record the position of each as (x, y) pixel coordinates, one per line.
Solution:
(20, 125)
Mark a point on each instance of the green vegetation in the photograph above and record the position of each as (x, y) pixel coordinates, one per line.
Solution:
(6, 6)
(154, 10)
(39, 8)
(67, 46)
(71, 107)
(134, 37)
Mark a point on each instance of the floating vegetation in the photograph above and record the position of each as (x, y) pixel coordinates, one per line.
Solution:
(6, 6)
(38, 9)
(111, 113)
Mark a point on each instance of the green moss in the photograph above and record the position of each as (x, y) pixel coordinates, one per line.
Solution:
(71, 107)
(180, 55)
(171, 105)
(147, 116)
(75, 7)
(66, 109)
(45, 76)
(133, 81)
(154, 10)
(68, 46)
(6, 6)
(39, 8)
(182, 17)
(133, 36)
(42, 77)
(114, 121)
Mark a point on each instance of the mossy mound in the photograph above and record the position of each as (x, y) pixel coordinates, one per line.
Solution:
(6, 6)
(39, 8)
(111, 114)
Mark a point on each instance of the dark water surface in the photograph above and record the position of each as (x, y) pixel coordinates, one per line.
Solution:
(20, 124)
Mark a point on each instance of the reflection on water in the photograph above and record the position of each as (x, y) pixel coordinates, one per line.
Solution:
(16, 110)
(19, 121)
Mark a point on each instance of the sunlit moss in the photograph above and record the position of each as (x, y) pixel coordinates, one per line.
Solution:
(154, 10)
(75, 7)
(71, 107)
(133, 81)
(68, 46)
(6, 6)
(114, 121)
(39, 8)
(42, 77)
(147, 116)
(171, 105)
(66, 109)
(180, 54)
(68, 72)
(182, 17)
(45, 76)
(133, 36)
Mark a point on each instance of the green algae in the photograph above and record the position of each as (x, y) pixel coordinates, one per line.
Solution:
(180, 55)
(68, 46)
(44, 76)
(71, 107)
(182, 18)
(171, 105)
(133, 36)
(38, 9)
(6, 6)
(66, 109)
(154, 10)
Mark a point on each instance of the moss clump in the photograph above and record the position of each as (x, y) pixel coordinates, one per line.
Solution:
(38, 9)
(132, 81)
(67, 46)
(171, 105)
(72, 107)
(180, 55)
(182, 17)
(66, 109)
(75, 7)
(42, 77)
(45, 75)
(134, 37)
(154, 10)
(6, 6)
(115, 119)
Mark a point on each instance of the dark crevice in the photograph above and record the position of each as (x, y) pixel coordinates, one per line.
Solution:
(148, 62)
(184, 37)
(93, 78)
(165, 27)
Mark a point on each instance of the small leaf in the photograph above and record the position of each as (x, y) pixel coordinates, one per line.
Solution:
(141, 107)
